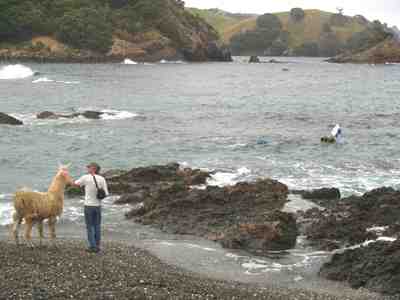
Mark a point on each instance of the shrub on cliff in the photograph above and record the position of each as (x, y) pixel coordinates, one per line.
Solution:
(256, 42)
(20, 19)
(297, 14)
(269, 22)
(86, 28)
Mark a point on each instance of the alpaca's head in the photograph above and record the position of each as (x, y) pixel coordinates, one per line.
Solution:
(63, 174)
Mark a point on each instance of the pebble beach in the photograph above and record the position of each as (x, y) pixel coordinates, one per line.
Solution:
(119, 271)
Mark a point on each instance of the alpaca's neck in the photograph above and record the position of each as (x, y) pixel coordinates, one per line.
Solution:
(57, 186)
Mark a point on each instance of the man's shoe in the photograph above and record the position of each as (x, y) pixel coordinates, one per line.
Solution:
(91, 250)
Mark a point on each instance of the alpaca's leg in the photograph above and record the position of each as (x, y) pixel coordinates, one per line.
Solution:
(40, 229)
(52, 227)
(17, 220)
(28, 231)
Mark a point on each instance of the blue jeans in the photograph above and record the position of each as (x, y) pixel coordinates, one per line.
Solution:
(93, 225)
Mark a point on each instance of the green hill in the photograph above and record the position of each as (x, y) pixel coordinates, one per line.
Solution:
(310, 29)
(104, 30)
(219, 19)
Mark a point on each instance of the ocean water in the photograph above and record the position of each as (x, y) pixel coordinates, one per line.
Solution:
(242, 120)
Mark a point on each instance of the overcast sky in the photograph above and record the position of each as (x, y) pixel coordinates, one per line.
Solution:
(387, 11)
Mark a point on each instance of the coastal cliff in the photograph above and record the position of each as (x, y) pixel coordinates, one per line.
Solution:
(106, 30)
(387, 51)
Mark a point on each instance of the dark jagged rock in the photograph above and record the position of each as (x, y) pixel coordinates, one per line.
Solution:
(254, 59)
(375, 267)
(89, 114)
(220, 214)
(328, 140)
(147, 180)
(8, 120)
(47, 115)
(323, 196)
(217, 53)
(346, 221)
(279, 231)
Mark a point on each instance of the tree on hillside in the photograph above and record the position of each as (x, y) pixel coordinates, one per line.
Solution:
(269, 22)
(86, 28)
(297, 14)
(340, 10)
(257, 41)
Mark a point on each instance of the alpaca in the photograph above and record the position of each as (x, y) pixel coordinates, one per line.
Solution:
(35, 207)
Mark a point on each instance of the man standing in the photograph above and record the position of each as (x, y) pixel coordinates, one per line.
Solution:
(92, 182)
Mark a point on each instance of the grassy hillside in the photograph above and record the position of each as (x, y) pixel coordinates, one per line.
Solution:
(219, 19)
(308, 30)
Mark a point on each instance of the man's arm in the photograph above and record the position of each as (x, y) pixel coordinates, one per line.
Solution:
(80, 182)
(105, 187)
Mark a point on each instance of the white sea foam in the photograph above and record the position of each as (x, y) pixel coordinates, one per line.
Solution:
(42, 79)
(194, 246)
(128, 61)
(253, 266)
(296, 203)
(6, 211)
(15, 72)
(5, 196)
(366, 243)
(163, 61)
(378, 229)
(47, 80)
(222, 179)
(109, 114)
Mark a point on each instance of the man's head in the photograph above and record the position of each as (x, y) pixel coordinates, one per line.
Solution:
(93, 168)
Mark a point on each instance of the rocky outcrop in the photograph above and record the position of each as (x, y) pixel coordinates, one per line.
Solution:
(375, 267)
(89, 114)
(9, 120)
(254, 59)
(387, 51)
(277, 232)
(222, 214)
(351, 220)
(323, 197)
(176, 200)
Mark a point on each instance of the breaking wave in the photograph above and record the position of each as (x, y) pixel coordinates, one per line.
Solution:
(15, 72)
(222, 179)
(163, 61)
(47, 80)
(128, 61)
(109, 114)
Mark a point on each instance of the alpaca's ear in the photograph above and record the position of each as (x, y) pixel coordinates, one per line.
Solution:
(61, 166)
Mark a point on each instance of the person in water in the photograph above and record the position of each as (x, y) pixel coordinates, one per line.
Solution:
(337, 134)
